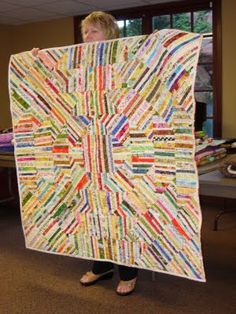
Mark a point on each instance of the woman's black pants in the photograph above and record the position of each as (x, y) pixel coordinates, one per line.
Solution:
(126, 273)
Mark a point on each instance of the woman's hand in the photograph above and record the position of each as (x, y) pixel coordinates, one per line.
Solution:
(35, 52)
(43, 56)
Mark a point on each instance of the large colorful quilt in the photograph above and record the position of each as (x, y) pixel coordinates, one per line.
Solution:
(104, 148)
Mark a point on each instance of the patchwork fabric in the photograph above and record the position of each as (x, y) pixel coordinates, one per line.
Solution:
(104, 147)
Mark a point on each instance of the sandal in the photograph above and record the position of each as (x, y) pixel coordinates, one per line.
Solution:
(90, 278)
(126, 287)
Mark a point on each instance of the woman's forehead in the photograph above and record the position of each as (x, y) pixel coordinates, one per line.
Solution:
(92, 25)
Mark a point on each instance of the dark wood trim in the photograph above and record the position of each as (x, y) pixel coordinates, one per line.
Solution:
(147, 26)
(76, 29)
(217, 68)
(162, 8)
(203, 90)
(192, 20)
(77, 32)
(146, 12)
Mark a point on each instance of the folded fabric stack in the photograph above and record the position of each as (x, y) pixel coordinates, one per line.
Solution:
(209, 155)
(228, 167)
(209, 151)
(6, 141)
(230, 145)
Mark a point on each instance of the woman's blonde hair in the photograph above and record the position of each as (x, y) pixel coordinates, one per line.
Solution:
(106, 21)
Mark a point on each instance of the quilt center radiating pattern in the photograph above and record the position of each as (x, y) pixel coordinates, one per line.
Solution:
(105, 151)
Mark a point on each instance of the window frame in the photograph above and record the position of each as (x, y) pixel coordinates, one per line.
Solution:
(147, 12)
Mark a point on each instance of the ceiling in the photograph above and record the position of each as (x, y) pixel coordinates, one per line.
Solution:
(17, 12)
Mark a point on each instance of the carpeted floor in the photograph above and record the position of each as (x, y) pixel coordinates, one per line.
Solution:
(33, 282)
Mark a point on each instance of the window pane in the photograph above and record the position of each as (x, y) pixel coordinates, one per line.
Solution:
(204, 77)
(182, 21)
(160, 22)
(202, 21)
(121, 25)
(207, 98)
(134, 27)
(206, 53)
(208, 127)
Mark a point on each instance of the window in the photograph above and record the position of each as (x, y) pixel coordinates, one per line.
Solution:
(199, 22)
(201, 16)
(130, 27)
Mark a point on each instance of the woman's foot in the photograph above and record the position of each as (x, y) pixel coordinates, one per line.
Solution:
(126, 287)
(90, 278)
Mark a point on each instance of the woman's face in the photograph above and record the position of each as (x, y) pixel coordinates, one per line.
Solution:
(93, 32)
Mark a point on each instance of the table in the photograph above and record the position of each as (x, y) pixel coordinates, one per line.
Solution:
(217, 185)
(7, 160)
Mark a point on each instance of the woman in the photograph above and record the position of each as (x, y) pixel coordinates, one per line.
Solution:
(96, 27)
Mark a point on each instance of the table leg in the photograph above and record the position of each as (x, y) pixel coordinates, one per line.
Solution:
(220, 214)
(10, 190)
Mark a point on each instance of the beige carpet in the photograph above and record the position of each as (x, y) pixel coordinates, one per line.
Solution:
(33, 282)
